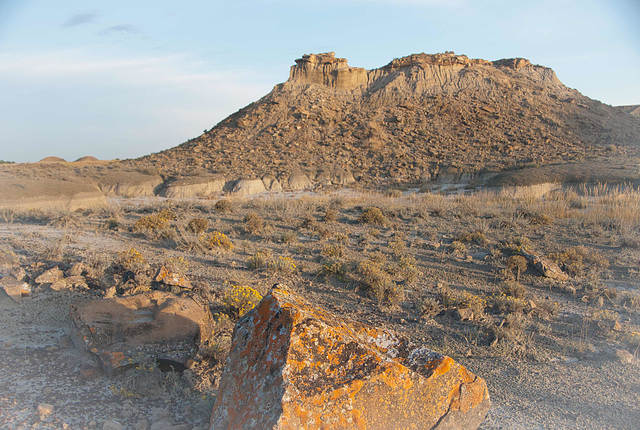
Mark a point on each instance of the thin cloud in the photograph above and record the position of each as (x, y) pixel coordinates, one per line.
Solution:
(122, 29)
(80, 19)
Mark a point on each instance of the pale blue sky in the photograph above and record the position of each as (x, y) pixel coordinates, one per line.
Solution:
(126, 78)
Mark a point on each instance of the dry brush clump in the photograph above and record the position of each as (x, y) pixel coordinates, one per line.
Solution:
(156, 225)
(580, 261)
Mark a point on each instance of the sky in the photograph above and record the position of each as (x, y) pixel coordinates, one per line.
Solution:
(121, 79)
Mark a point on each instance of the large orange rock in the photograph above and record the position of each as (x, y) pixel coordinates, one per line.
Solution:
(294, 366)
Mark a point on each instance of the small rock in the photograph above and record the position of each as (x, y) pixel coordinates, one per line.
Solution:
(92, 425)
(19, 274)
(76, 270)
(166, 423)
(45, 409)
(90, 372)
(110, 292)
(111, 425)
(47, 391)
(624, 356)
(50, 276)
(60, 285)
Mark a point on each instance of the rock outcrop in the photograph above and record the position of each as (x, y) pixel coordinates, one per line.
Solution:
(128, 183)
(156, 325)
(206, 186)
(400, 123)
(20, 193)
(293, 366)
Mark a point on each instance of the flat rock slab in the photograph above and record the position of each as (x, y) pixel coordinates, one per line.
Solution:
(294, 366)
(122, 331)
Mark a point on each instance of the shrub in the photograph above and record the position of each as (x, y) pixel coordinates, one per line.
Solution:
(223, 206)
(508, 304)
(240, 299)
(283, 265)
(253, 223)
(457, 247)
(476, 237)
(334, 251)
(378, 283)
(373, 216)
(579, 261)
(216, 239)
(330, 216)
(132, 261)
(334, 267)
(259, 260)
(408, 271)
(463, 300)
(427, 307)
(155, 225)
(513, 289)
(198, 225)
(290, 237)
(517, 264)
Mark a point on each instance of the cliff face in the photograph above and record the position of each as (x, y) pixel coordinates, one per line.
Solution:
(412, 119)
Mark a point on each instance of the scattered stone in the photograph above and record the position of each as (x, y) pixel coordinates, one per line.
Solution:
(18, 273)
(169, 277)
(14, 288)
(76, 270)
(50, 276)
(545, 266)
(624, 356)
(45, 409)
(92, 425)
(157, 325)
(293, 365)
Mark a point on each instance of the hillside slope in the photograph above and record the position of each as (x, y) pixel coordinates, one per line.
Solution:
(414, 119)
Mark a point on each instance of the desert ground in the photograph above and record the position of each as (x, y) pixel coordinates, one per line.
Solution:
(447, 269)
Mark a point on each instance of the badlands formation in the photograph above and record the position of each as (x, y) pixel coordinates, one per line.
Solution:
(418, 121)
(152, 294)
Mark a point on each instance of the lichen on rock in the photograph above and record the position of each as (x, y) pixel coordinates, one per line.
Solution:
(293, 365)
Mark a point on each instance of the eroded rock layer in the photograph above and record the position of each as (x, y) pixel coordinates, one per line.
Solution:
(293, 366)
(416, 117)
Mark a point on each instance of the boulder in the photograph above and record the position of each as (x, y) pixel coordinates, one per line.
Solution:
(545, 266)
(122, 331)
(205, 186)
(247, 187)
(299, 181)
(50, 276)
(293, 365)
(172, 278)
(271, 183)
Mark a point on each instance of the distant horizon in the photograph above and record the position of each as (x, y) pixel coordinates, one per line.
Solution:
(120, 80)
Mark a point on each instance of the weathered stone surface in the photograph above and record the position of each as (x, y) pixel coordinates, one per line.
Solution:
(194, 187)
(271, 183)
(158, 325)
(172, 278)
(19, 193)
(14, 288)
(50, 276)
(247, 187)
(294, 366)
(128, 183)
(545, 266)
(299, 181)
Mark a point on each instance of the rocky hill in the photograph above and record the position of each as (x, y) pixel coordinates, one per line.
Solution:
(417, 118)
